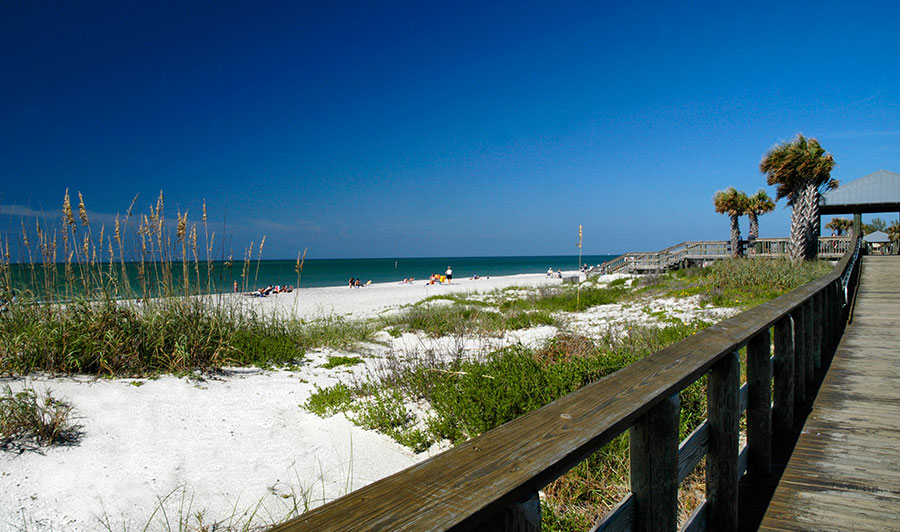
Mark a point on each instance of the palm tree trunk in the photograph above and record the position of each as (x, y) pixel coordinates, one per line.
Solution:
(798, 230)
(810, 213)
(754, 225)
(735, 236)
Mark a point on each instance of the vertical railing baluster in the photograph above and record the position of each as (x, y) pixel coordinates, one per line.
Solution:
(838, 312)
(799, 358)
(654, 467)
(759, 407)
(832, 318)
(818, 316)
(723, 405)
(523, 516)
(783, 415)
(808, 345)
(827, 321)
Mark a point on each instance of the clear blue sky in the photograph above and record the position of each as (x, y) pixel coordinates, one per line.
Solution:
(380, 129)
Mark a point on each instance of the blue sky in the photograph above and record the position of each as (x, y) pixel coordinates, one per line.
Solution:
(384, 129)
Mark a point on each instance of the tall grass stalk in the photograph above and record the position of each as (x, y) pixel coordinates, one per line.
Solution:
(81, 313)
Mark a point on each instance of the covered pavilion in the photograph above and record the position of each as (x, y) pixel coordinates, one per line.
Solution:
(876, 192)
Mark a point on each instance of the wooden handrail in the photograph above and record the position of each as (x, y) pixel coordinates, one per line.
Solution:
(709, 249)
(472, 483)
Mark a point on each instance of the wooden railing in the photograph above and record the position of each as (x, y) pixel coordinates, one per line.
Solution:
(702, 251)
(491, 482)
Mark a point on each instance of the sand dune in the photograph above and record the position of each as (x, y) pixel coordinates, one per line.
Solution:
(238, 441)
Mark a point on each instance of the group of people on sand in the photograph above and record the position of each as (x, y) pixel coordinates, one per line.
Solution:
(356, 282)
(555, 275)
(269, 290)
(439, 279)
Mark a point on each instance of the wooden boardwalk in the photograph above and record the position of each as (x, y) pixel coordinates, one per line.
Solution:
(844, 473)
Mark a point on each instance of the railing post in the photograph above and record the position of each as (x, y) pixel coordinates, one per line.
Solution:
(783, 416)
(723, 405)
(523, 516)
(838, 312)
(759, 407)
(799, 359)
(654, 467)
(808, 346)
(828, 320)
(818, 317)
(833, 321)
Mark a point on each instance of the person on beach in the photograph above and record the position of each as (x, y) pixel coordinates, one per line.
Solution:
(235, 287)
(549, 272)
(350, 284)
(449, 274)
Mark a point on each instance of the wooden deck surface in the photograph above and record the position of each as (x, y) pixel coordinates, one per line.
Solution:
(844, 473)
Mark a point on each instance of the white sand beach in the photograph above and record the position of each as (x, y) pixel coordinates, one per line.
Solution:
(237, 442)
(377, 298)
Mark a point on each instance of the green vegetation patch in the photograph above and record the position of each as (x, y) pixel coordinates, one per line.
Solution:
(329, 401)
(742, 283)
(170, 334)
(459, 320)
(468, 398)
(566, 299)
(28, 417)
(337, 361)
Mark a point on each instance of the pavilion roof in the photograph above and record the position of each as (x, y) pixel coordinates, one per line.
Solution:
(877, 236)
(876, 192)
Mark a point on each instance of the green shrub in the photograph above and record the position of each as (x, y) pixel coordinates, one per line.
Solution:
(566, 299)
(336, 361)
(329, 401)
(28, 416)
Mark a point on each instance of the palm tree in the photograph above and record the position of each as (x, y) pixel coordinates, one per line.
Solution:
(839, 225)
(802, 171)
(758, 204)
(734, 204)
(893, 231)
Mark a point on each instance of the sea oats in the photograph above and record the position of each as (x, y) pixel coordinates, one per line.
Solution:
(259, 258)
(128, 212)
(159, 205)
(182, 225)
(67, 209)
(82, 211)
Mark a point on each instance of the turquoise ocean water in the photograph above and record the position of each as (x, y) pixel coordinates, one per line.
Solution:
(336, 272)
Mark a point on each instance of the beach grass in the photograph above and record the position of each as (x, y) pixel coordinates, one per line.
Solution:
(469, 397)
(741, 283)
(30, 419)
(338, 361)
(163, 335)
(462, 319)
(75, 307)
